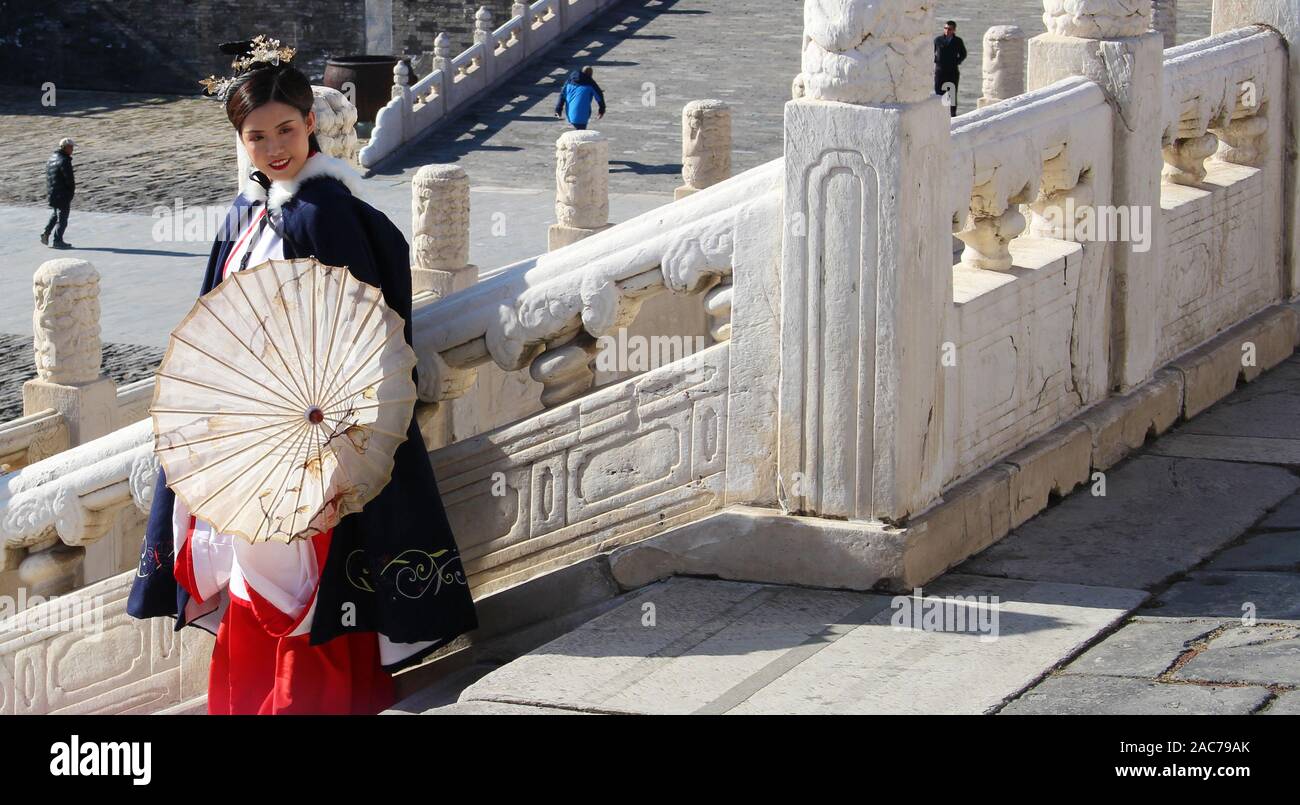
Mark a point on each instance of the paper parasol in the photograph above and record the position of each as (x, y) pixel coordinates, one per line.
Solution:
(281, 400)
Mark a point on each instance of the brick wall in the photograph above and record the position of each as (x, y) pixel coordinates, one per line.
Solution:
(416, 23)
(165, 46)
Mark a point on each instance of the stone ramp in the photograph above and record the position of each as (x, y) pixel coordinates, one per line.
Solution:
(691, 645)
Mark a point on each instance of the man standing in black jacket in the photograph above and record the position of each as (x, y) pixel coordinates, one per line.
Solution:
(949, 52)
(60, 185)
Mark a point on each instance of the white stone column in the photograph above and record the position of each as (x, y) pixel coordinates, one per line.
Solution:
(1003, 69)
(69, 379)
(1284, 15)
(581, 187)
(1109, 41)
(68, 351)
(706, 146)
(440, 231)
(866, 272)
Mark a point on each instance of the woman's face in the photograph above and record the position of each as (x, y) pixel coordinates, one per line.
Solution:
(275, 137)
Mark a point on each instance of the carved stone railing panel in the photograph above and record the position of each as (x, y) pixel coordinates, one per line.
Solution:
(1217, 87)
(595, 287)
(613, 467)
(1031, 150)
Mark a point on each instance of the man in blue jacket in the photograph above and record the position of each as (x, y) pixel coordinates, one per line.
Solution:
(575, 98)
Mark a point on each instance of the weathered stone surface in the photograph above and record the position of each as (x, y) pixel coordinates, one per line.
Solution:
(879, 669)
(675, 648)
(1272, 335)
(761, 545)
(1266, 654)
(972, 516)
(1263, 409)
(1159, 516)
(1141, 648)
(1108, 695)
(1121, 424)
(716, 646)
(1278, 552)
(1209, 374)
(1231, 594)
(1052, 464)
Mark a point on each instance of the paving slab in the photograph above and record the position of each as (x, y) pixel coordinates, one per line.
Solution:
(1142, 648)
(1264, 653)
(732, 647)
(1160, 516)
(1255, 449)
(1226, 594)
(1110, 695)
(676, 647)
(1265, 408)
(1286, 515)
(1278, 551)
(881, 669)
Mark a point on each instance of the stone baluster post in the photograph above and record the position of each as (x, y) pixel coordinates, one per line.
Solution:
(69, 357)
(866, 271)
(706, 146)
(402, 89)
(526, 26)
(581, 187)
(440, 231)
(442, 52)
(1283, 15)
(69, 378)
(1003, 74)
(483, 36)
(1105, 41)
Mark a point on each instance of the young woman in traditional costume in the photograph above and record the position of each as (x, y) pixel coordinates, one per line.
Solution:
(320, 624)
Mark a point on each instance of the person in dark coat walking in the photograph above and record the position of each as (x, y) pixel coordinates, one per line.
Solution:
(576, 96)
(60, 186)
(949, 53)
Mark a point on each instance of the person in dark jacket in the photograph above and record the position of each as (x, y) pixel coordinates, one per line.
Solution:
(576, 96)
(949, 53)
(60, 186)
(386, 586)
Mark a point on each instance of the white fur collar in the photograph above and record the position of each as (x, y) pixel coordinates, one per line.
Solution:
(320, 164)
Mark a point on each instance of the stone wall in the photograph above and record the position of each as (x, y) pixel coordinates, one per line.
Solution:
(167, 45)
(416, 23)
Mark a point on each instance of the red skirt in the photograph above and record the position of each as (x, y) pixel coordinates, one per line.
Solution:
(256, 673)
(259, 668)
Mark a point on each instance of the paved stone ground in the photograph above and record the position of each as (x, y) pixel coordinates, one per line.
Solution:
(124, 363)
(1178, 591)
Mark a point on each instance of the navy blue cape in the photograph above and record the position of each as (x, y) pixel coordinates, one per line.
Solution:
(394, 567)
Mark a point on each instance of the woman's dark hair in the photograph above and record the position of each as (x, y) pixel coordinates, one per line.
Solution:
(282, 83)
